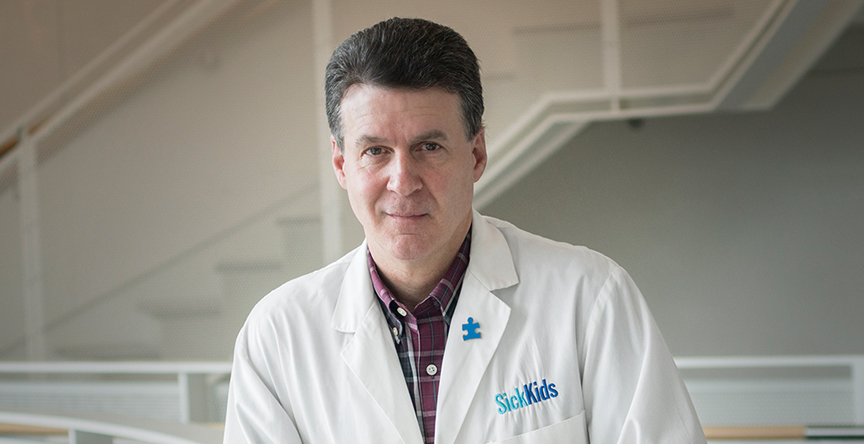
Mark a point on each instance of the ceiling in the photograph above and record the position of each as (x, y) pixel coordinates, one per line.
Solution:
(48, 44)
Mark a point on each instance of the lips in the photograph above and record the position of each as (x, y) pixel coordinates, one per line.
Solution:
(406, 211)
(405, 216)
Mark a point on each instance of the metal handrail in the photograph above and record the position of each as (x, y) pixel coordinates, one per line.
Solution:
(102, 368)
(717, 362)
(190, 377)
(102, 427)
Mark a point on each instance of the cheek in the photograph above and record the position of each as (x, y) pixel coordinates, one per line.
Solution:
(362, 193)
(458, 191)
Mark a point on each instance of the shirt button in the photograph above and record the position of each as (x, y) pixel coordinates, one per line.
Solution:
(395, 332)
(431, 369)
(401, 311)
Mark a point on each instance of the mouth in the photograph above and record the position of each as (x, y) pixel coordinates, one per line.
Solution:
(406, 216)
(405, 211)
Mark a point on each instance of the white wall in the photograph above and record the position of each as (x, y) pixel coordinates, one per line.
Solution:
(154, 196)
(160, 212)
(214, 134)
(219, 134)
(744, 231)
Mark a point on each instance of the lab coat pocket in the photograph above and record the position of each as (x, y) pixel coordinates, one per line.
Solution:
(571, 430)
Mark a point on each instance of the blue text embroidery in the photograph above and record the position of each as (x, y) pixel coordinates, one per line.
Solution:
(530, 393)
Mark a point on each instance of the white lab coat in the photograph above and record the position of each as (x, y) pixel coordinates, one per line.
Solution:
(315, 362)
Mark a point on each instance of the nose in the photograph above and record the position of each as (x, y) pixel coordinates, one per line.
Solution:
(404, 178)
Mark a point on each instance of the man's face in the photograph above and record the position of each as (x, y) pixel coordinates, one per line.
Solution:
(408, 170)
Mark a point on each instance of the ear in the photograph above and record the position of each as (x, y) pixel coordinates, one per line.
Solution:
(338, 162)
(479, 153)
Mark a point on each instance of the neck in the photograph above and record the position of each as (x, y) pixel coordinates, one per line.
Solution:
(412, 281)
(411, 287)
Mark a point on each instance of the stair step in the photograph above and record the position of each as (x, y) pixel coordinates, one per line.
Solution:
(182, 307)
(301, 243)
(244, 283)
(115, 330)
(249, 266)
(130, 351)
(289, 221)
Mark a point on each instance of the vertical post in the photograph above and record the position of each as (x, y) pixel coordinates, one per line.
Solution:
(183, 393)
(611, 38)
(858, 389)
(193, 397)
(30, 236)
(330, 193)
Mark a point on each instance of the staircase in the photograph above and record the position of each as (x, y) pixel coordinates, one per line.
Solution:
(161, 223)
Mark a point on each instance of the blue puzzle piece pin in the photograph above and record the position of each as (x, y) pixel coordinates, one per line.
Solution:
(470, 330)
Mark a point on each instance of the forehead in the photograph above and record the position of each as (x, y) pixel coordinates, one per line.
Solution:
(377, 108)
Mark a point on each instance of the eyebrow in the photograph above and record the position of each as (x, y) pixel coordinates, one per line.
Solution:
(370, 140)
(435, 134)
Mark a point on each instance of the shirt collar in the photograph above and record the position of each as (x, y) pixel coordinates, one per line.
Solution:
(443, 296)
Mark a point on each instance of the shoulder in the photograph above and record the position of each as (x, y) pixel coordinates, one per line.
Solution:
(572, 285)
(533, 252)
(301, 302)
(575, 280)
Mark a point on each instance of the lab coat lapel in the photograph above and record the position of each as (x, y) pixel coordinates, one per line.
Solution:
(465, 361)
(370, 353)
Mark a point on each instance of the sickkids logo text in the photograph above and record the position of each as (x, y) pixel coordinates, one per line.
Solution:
(529, 394)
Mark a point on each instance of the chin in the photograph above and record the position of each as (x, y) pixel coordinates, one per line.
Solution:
(408, 249)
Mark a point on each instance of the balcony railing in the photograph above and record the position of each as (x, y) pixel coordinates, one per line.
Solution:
(184, 392)
(734, 396)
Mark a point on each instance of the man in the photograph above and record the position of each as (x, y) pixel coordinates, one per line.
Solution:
(444, 326)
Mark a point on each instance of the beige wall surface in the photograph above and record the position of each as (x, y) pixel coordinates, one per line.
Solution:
(743, 231)
(181, 194)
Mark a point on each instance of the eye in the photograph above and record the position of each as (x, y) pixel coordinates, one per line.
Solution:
(374, 151)
(430, 146)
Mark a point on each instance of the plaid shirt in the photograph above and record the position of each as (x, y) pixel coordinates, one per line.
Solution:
(420, 336)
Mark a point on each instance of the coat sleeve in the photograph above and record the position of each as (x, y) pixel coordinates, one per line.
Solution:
(254, 412)
(632, 389)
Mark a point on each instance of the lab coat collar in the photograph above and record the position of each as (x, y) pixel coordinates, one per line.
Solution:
(369, 353)
(356, 295)
(490, 262)
(465, 361)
